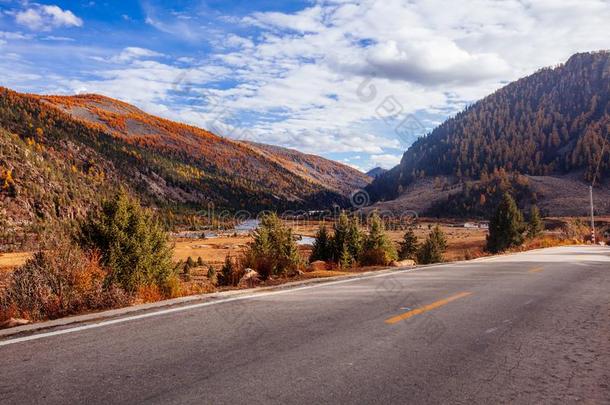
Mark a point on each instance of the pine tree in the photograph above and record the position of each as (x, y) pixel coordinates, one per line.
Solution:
(433, 249)
(377, 249)
(132, 243)
(227, 271)
(345, 260)
(322, 246)
(340, 237)
(535, 225)
(273, 250)
(506, 226)
(408, 245)
(355, 239)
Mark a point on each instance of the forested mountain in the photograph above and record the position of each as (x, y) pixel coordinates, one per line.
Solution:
(550, 123)
(58, 155)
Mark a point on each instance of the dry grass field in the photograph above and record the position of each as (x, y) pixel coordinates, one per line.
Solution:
(463, 243)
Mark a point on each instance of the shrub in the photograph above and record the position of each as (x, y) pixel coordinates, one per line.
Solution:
(433, 249)
(506, 227)
(132, 243)
(273, 252)
(59, 280)
(408, 246)
(377, 249)
(212, 275)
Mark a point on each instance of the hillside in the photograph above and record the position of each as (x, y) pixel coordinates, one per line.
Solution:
(550, 125)
(314, 168)
(58, 155)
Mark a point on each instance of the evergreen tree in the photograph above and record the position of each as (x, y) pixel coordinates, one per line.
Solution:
(345, 260)
(354, 239)
(322, 246)
(340, 237)
(377, 248)
(273, 250)
(433, 249)
(408, 245)
(227, 272)
(132, 243)
(535, 225)
(506, 226)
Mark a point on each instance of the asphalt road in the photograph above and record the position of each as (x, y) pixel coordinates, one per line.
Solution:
(526, 328)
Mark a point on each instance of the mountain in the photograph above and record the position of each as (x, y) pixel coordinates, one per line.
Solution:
(547, 126)
(341, 178)
(60, 153)
(376, 172)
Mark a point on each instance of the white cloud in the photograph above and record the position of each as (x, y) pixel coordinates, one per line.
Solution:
(322, 79)
(45, 18)
(132, 53)
(386, 161)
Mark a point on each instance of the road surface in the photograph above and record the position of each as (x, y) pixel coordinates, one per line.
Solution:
(526, 328)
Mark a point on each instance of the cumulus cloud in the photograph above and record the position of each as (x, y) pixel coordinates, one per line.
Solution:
(385, 160)
(47, 17)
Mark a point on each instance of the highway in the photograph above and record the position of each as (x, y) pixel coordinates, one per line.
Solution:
(532, 328)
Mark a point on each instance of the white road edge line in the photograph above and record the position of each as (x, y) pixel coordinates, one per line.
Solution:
(194, 306)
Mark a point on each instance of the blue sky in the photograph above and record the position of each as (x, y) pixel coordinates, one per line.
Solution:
(354, 81)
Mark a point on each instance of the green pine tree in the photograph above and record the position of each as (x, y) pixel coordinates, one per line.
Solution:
(354, 239)
(377, 249)
(433, 249)
(322, 246)
(227, 271)
(273, 251)
(345, 260)
(132, 243)
(506, 227)
(408, 246)
(535, 225)
(340, 237)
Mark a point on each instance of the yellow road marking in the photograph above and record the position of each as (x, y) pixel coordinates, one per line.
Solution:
(535, 270)
(426, 308)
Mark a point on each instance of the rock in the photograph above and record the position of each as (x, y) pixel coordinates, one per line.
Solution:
(403, 263)
(12, 322)
(250, 279)
(317, 265)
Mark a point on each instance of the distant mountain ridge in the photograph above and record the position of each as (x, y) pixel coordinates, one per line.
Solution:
(376, 172)
(552, 123)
